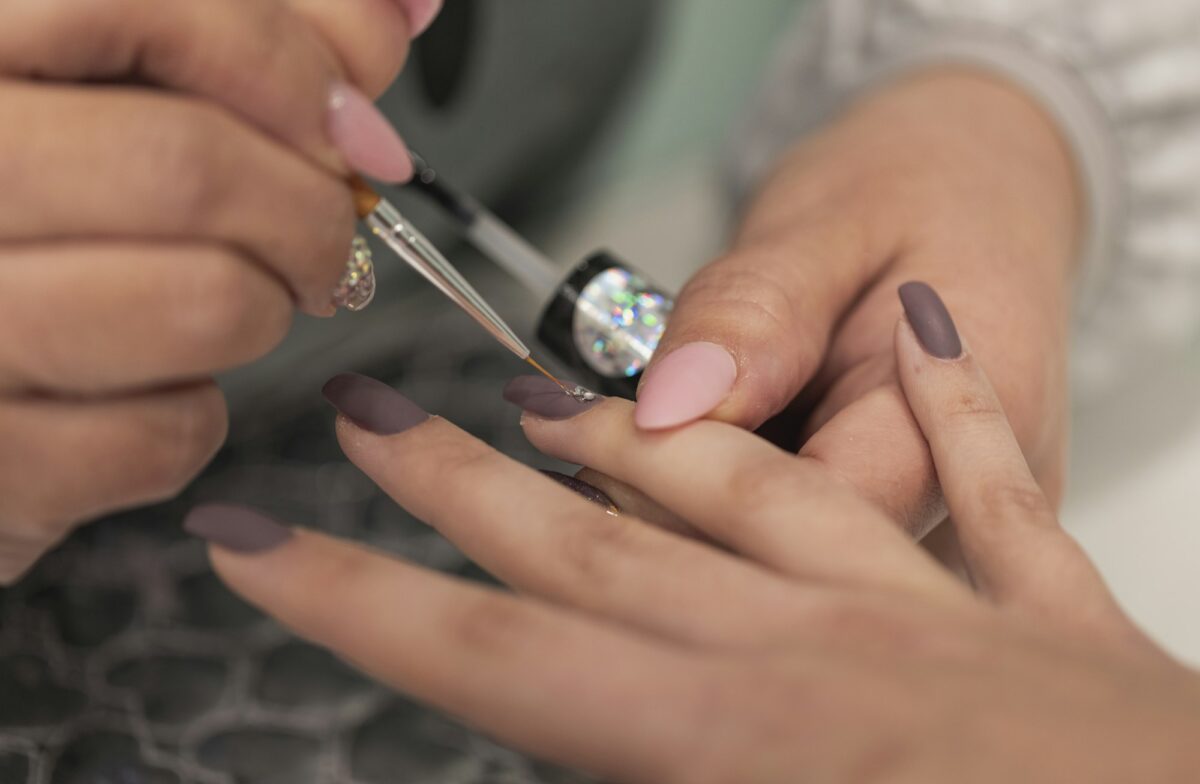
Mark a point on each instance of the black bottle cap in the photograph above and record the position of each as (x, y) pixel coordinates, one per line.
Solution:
(604, 323)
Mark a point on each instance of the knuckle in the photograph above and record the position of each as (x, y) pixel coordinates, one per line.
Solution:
(975, 406)
(759, 486)
(746, 295)
(869, 625)
(1016, 501)
(593, 552)
(183, 153)
(227, 302)
(180, 448)
(489, 625)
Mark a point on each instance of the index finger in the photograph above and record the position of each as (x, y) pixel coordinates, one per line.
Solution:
(549, 681)
(258, 58)
(1014, 546)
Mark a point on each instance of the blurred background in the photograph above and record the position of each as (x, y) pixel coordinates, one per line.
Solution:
(588, 124)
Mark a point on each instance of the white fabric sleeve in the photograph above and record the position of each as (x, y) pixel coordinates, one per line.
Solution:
(1120, 78)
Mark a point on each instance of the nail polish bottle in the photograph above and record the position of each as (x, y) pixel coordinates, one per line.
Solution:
(604, 323)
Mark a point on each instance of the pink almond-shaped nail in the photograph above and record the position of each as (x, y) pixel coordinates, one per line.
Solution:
(365, 138)
(420, 13)
(685, 385)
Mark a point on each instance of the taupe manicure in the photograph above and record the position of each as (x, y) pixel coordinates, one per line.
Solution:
(236, 528)
(372, 405)
(930, 320)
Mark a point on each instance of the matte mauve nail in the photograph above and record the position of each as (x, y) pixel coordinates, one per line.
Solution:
(930, 320)
(543, 398)
(236, 528)
(588, 491)
(372, 405)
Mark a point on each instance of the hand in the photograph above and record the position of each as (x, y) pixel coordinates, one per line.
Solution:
(820, 645)
(949, 177)
(173, 188)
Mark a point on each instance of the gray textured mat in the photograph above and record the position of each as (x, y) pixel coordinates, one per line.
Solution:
(123, 660)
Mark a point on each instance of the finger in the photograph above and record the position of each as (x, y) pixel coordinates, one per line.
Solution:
(788, 513)
(91, 318)
(369, 37)
(749, 330)
(541, 538)
(862, 426)
(167, 168)
(536, 677)
(256, 58)
(1015, 548)
(65, 462)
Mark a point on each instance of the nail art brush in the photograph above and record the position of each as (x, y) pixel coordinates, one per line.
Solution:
(403, 239)
(603, 318)
(491, 236)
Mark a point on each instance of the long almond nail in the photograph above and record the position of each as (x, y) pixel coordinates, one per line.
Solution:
(365, 138)
(685, 385)
(930, 320)
(372, 405)
(543, 398)
(236, 528)
(420, 13)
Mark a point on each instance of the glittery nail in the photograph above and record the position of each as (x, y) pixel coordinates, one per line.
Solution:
(543, 398)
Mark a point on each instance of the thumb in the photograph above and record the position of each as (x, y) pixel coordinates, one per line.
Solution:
(750, 329)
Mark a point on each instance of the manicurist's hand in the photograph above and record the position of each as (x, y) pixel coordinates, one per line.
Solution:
(951, 177)
(171, 189)
(818, 643)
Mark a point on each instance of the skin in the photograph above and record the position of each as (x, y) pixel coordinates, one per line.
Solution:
(816, 642)
(175, 129)
(952, 177)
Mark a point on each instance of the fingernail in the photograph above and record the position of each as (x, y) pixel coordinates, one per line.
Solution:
(543, 398)
(372, 405)
(420, 13)
(588, 491)
(236, 528)
(930, 320)
(365, 138)
(685, 385)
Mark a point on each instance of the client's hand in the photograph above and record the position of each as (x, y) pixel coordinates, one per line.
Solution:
(171, 188)
(820, 644)
(949, 177)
